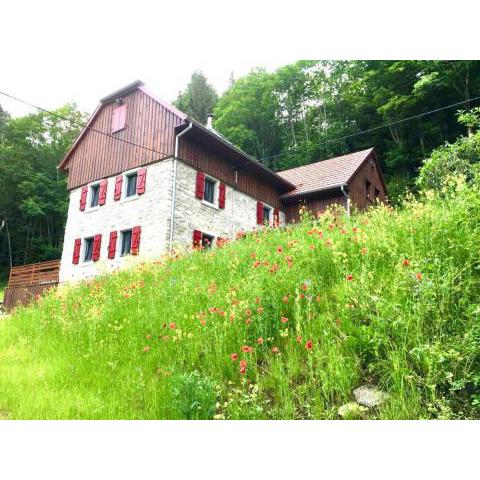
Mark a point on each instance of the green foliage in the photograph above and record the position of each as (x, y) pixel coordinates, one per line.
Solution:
(389, 297)
(199, 99)
(33, 196)
(459, 158)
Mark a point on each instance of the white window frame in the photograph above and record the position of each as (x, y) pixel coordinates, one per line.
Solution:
(120, 243)
(89, 197)
(215, 193)
(125, 184)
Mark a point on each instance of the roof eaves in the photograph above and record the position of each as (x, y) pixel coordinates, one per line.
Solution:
(121, 92)
(227, 143)
(287, 196)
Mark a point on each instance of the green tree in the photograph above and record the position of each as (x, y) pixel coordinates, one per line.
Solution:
(33, 197)
(199, 98)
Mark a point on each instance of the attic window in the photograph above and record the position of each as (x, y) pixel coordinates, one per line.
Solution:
(119, 115)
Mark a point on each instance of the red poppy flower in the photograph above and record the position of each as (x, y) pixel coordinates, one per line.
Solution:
(279, 249)
(309, 345)
(304, 287)
(256, 264)
(275, 350)
(301, 296)
(247, 349)
(349, 277)
(248, 312)
(406, 262)
(173, 326)
(419, 276)
(234, 357)
(284, 319)
(299, 339)
(260, 340)
(243, 367)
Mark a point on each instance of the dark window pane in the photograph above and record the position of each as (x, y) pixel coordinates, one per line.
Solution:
(209, 194)
(207, 241)
(88, 250)
(131, 185)
(94, 191)
(126, 243)
(266, 215)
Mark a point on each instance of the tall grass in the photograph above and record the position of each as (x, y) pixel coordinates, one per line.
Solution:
(389, 298)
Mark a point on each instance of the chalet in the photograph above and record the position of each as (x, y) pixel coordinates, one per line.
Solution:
(144, 178)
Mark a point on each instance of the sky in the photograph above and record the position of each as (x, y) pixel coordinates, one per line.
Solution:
(53, 52)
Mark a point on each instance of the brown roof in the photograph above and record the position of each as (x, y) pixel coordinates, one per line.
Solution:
(324, 175)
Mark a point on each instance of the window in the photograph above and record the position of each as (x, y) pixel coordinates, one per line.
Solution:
(88, 251)
(207, 240)
(119, 115)
(367, 188)
(209, 193)
(126, 243)
(94, 195)
(266, 215)
(131, 185)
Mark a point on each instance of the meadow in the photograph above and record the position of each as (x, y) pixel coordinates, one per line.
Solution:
(279, 324)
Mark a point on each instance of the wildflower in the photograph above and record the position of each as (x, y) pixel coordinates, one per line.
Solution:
(406, 262)
(203, 322)
(312, 247)
(146, 348)
(257, 299)
(256, 264)
(275, 350)
(331, 226)
(318, 298)
(349, 277)
(248, 312)
(243, 367)
(309, 345)
(221, 313)
(355, 229)
(364, 250)
(274, 268)
(301, 296)
(338, 322)
(418, 276)
(232, 317)
(148, 337)
(173, 326)
(285, 299)
(299, 339)
(234, 357)
(253, 255)
(279, 249)
(304, 287)
(260, 340)
(343, 231)
(260, 309)
(284, 319)
(247, 349)
(248, 321)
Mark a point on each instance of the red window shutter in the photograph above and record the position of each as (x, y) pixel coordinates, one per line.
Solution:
(102, 195)
(112, 245)
(276, 217)
(76, 251)
(197, 238)
(141, 179)
(97, 243)
(119, 116)
(83, 198)
(117, 195)
(135, 247)
(259, 213)
(221, 195)
(200, 185)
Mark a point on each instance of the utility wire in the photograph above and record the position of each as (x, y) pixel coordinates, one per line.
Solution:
(83, 125)
(331, 140)
(371, 129)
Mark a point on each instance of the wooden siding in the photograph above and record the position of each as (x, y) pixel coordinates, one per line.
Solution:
(148, 123)
(316, 204)
(216, 164)
(357, 186)
(26, 282)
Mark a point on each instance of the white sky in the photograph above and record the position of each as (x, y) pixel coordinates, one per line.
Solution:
(52, 52)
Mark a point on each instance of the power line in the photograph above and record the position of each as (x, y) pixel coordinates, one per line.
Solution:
(371, 129)
(83, 125)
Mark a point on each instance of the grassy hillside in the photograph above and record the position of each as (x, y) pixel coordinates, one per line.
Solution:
(280, 324)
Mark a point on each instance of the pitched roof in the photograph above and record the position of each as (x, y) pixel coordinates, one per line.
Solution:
(324, 175)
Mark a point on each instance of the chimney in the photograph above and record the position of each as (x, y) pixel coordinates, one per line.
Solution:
(210, 121)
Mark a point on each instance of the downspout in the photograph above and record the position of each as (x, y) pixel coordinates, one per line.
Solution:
(347, 198)
(174, 185)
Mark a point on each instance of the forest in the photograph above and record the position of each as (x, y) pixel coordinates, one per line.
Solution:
(301, 113)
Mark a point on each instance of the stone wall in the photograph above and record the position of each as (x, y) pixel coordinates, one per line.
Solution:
(191, 213)
(151, 211)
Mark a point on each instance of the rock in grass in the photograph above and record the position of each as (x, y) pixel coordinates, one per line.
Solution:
(351, 410)
(369, 396)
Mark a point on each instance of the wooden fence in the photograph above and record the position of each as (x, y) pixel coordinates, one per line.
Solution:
(26, 282)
